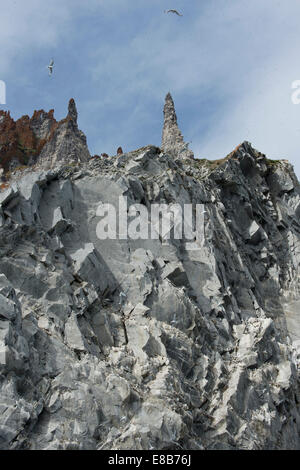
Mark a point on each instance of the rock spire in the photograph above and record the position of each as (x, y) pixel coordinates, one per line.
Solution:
(172, 139)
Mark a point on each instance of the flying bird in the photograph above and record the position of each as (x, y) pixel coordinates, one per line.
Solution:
(173, 11)
(50, 67)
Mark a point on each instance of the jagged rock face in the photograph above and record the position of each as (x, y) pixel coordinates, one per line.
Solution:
(22, 141)
(42, 123)
(172, 139)
(201, 353)
(66, 143)
(41, 139)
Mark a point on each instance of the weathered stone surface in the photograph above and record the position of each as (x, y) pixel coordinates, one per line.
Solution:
(172, 139)
(66, 144)
(41, 139)
(145, 344)
(22, 141)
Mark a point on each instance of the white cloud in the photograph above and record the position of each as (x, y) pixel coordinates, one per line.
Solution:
(240, 54)
(261, 110)
(236, 58)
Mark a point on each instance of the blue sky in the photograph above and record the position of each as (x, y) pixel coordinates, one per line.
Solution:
(229, 65)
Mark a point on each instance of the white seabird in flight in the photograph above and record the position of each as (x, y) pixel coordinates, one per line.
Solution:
(173, 11)
(50, 67)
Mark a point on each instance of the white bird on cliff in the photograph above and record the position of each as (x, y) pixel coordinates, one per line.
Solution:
(122, 297)
(173, 11)
(50, 67)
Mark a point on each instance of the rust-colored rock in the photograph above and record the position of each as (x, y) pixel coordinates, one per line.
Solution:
(41, 139)
(21, 141)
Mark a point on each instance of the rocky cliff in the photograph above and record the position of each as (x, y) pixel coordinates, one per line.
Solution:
(143, 343)
(172, 140)
(41, 139)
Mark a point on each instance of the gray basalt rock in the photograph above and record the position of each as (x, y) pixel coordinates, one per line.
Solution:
(41, 124)
(66, 143)
(202, 352)
(172, 139)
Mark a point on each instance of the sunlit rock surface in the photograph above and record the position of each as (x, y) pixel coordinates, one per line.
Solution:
(41, 139)
(172, 139)
(202, 350)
